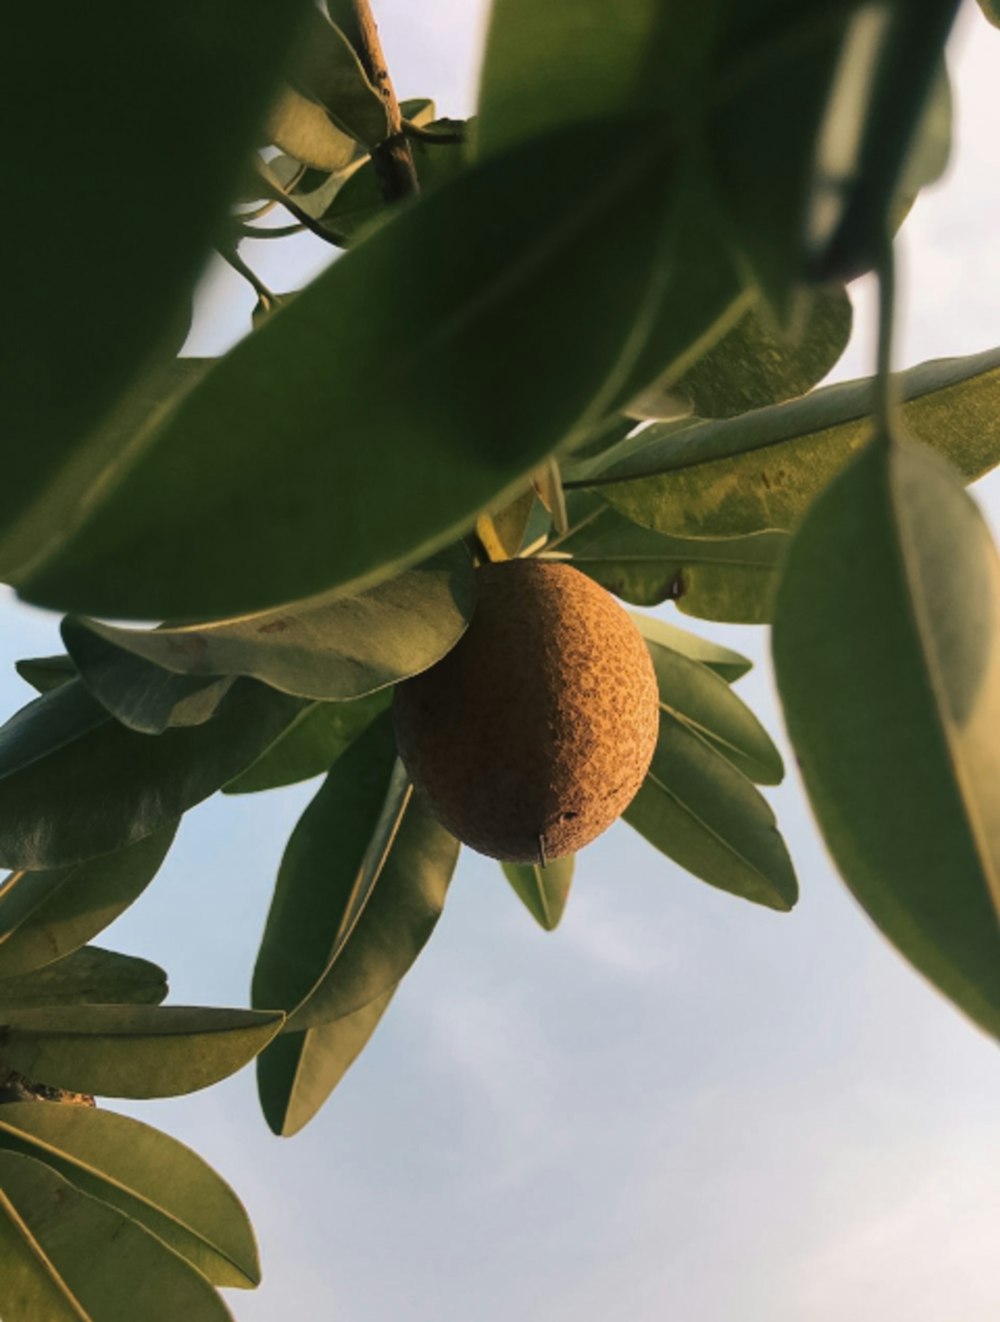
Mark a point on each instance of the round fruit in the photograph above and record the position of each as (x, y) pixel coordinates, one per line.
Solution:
(535, 732)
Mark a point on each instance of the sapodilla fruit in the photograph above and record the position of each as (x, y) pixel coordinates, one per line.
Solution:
(535, 731)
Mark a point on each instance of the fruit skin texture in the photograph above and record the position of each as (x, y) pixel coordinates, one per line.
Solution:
(534, 733)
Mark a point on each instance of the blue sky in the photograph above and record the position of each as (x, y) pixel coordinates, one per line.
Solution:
(678, 1105)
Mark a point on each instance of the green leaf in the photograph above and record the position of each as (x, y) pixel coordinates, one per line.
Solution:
(991, 11)
(503, 531)
(730, 578)
(762, 471)
(299, 1071)
(930, 151)
(703, 702)
(889, 66)
(174, 106)
(756, 364)
(695, 807)
(345, 467)
(311, 745)
(324, 66)
(69, 1257)
(146, 1175)
(341, 649)
(894, 713)
(44, 916)
(89, 976)
(301, 127)
(75, 784)
(543, 891)
(730, 665)
(133, 1051)
(46, 672)
(361, 886)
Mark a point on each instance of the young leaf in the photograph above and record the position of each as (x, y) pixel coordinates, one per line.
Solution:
(89, 976)
(297, 1072)
(75, 784)
(340, 649)
(44, 916)
(69, 1257)
(543, 891)
(695, 807)
(730, 665)
(133, 1051)
(705, 704)
(761, 471)
(320, 491)
(148, 1176)
(311, 744)
(894, 713)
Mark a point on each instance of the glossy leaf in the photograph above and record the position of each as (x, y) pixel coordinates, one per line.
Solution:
(761, 471)
(44, 916)
(894, 714)
(695, 807)
(69, 1257)
(543, 891)
(148, 1176)
(341, 649)
(493, 268)
(730, 665)
(133, 1051)
(299, 1071)
(731, 579)
(705, 704)
(89, 976)
(89, 300)
(75, 784)
(311, 745)
(46, 672)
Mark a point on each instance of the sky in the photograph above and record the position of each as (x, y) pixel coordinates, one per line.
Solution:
(679, 1105)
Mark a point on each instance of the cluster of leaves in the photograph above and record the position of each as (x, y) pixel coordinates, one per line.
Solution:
(593, 335)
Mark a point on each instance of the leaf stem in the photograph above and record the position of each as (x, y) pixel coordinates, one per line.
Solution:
(230, 255)
(886, 386)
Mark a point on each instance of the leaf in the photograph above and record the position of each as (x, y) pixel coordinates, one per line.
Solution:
(75, 784)
(46, 672)
(89, 976)
(69, 1257)
(893, 714)
(543, 890)
(90, 300)
(730, 578)
(696, 808)
(730, 665)
(325, 66)
(147, 1176)
(301, 127)
(493, 268)
(502, 532)
(299, 1071)
(889, 65)
(336, 650)
(991, 11)
(361, 886)
(703, 702)
(44, 916)
(133, 1051)
(930, 151)
(311, 744)
(761, 471)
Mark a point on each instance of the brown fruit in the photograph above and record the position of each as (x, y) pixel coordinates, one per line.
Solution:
(535, 732)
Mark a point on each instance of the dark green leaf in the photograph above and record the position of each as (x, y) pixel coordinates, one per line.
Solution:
(761, 471)
(171, 98)
(44, 916)
(89, 976)
(298, 1071)
(696, 808)
(46, 672)
(311, 745)
(702, 701)
(343, 468)
(894, 713)
(146, 1175)
(75, 784)
(731, 578)
(341, 649)
(69, 1257)
(543, 891)
(730, 665)
(133, 1051)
